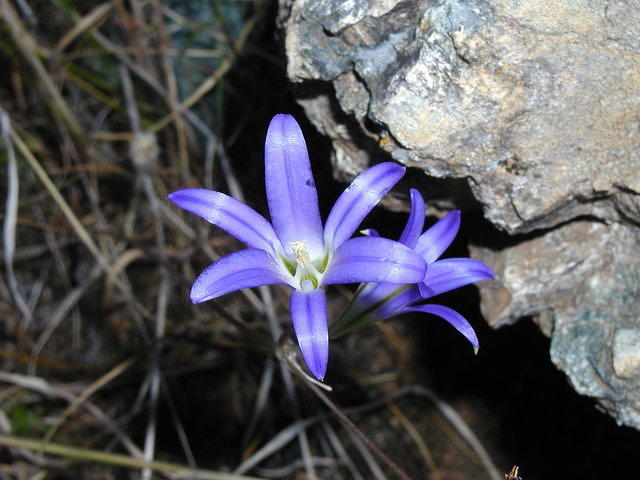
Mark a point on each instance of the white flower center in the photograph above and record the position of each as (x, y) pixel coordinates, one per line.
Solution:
(306, 273)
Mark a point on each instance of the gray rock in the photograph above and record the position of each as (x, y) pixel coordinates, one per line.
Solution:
(539, 110)
(626, 353)
(529, 111)
(579, 283)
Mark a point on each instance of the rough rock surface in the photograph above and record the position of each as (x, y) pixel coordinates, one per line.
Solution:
(580, 283)
(535, 104)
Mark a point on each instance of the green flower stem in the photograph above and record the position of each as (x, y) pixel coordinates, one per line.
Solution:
(181, 471)
(351, 320)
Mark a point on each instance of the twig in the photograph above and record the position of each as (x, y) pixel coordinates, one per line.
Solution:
(333, 438)
(368, 458)
(351, 426)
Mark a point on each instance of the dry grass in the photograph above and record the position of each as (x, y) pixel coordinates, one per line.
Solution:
(104, 109)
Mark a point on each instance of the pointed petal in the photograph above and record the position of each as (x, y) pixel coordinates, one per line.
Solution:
(437, 239)
(229, 214)
(309, 317)
(357, 201)
(243, 269)
(415, 223)
(388, 298)
(451, 316)
(374, 259)
(291, 191)
(452, 273)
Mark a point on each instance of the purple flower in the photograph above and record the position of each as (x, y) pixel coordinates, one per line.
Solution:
(383, 300)
(294, 249)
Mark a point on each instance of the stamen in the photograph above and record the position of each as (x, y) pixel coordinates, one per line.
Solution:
(301, 253)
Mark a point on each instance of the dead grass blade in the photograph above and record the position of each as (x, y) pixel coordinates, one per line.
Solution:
(76, 224)
(10, 219)
(366, 455)
(264, 390)
(91, 19)
(210, 81)
(462, 428)
(84, 396)
(43, 387)
(204, 88)
(355, 431)
(417, 439)
(178, 425)
(27, 46)
(96, 456)
(276, 443)
(59, 199)
(61, 311)
(287, 471)
(338, 447)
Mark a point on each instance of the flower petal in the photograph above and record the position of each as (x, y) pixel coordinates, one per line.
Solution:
(309, 317)
(374, 259)
(437, 239)
(357, 201)
(451, 316)
(415, 223)
(291, 191)
(451, 273)
(229, 214)
(243, 269)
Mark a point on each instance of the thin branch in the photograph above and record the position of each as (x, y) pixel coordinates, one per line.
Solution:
(351, 426)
